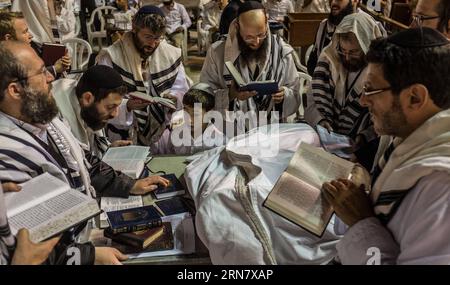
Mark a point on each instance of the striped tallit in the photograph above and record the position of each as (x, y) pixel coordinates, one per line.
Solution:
(273, 68)
(7, 240)
(161, 68)
(335, 96)
(22, 157)
(423, 152)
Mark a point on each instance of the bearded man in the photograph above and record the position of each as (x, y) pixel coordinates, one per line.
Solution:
(258, 55)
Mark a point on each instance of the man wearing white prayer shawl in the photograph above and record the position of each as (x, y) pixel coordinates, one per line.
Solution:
(258, 55)
(148, 64)
(33, 141)
(404, 219)
(86, 107)
(337, 85)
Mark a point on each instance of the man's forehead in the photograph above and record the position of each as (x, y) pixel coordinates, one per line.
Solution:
(427, 7)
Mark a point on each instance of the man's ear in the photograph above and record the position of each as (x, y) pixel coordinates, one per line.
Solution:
(13, 90)
(9, 37)
(87, 98)
(417, 97)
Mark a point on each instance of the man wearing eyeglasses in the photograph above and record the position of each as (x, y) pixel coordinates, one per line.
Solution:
(259, 56)
(404, 219)
(33, 140)
(337, 85)
(148, 64)
(434, 14)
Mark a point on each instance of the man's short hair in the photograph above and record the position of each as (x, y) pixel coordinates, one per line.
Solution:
(153, 21)
(10, 69)
(7, 23)
(415, 56)
(199, 96)
(100, 80)
(443, 9)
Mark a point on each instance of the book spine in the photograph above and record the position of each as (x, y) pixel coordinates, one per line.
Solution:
(138, 227)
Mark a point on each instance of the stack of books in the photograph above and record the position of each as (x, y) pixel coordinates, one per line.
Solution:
(139, 229)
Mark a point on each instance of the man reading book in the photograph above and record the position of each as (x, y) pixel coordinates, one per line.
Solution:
(15, 27)
(86, 106)
(405, 218)
(33, 141)
(258, 55)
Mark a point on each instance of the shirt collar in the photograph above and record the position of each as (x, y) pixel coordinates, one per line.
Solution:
(38, 130)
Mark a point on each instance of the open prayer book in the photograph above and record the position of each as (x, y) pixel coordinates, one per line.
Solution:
(127, 159)
(47, 206)
(268, 87)
(297, 193)
(153, 99)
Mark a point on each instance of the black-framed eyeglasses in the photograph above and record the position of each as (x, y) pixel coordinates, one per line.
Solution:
(367, 92)
(42, 70)
(419, 19)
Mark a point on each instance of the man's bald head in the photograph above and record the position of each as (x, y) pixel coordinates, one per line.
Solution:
(22, 52)
(253, 18)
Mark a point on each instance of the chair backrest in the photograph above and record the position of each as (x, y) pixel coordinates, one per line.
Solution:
(80, 52)
(99, 13)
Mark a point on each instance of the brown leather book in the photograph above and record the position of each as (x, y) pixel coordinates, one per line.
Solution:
(138, 239)
(52, 52)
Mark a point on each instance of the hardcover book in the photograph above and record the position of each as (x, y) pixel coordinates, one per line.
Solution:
(139, 239)
(164, 242)
(174, 188)
(173, 206)
(268, 87)
(134, 219)
(297, 195)
(52, 52)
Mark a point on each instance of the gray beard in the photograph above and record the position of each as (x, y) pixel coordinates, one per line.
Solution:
(38, 107)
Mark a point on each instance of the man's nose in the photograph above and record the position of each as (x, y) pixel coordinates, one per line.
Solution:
(364, 100)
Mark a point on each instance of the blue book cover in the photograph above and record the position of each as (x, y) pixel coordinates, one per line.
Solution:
(135, 219)
(173, 206)
(175, 188)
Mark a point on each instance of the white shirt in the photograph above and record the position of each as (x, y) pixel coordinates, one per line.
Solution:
(277, 10)
(418, 233)
(176, 17)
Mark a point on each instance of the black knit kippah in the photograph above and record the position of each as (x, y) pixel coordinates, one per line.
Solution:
(419, 38)
(150, 9)
(249, 5)
(102, 76)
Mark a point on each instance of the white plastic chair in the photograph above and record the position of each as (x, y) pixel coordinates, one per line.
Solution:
(184, 48)
(305, 84)
(308, 53)
(101, 34)
(80, 51)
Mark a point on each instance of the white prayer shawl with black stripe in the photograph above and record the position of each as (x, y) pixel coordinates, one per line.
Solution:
(277, 65)
(39, 20)
(7, 240)
(336, 104)
(423, 152)
(163, 66)
(22, 157)
(69, 107)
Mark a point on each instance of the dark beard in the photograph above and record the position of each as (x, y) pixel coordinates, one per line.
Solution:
(250, 54)
(140, 47)
(336, 20)
(91, 117)
(38, 107)
(355, 64)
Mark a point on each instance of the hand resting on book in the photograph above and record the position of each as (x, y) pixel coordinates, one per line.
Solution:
(143, 186)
